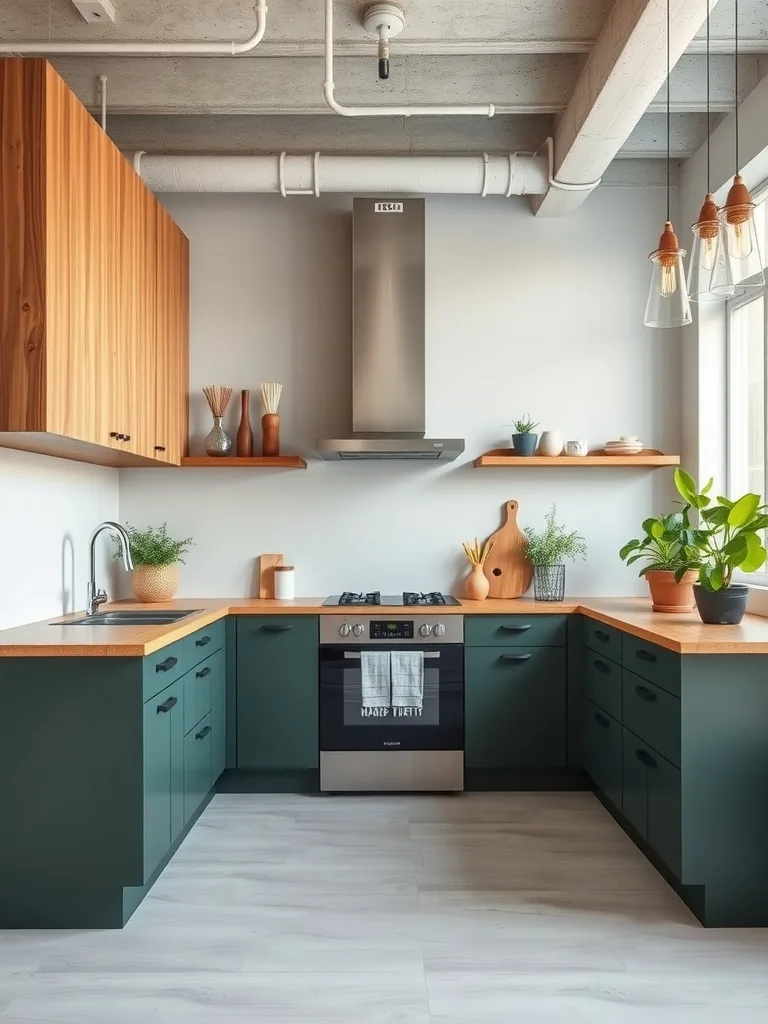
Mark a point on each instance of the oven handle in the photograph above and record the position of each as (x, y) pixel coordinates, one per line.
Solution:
(355, 655)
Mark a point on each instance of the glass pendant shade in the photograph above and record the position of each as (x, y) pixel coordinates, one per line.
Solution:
(668, 304)
(739, 232)
(706, 252)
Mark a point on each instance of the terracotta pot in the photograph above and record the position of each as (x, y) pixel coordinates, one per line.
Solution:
(669, 596)
(476, 586)
(154, 582)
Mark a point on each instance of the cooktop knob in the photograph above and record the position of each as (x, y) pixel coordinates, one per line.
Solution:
(357, 629)
(425, 629)
(345, 629)
(438, 629)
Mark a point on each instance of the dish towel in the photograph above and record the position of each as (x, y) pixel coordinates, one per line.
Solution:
(375, 672)
(407, 679)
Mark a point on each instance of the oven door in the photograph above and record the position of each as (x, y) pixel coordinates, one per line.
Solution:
(346, 725)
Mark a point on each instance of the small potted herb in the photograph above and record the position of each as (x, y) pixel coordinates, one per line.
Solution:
(730, 537)
(547, 551)
(524, 440)
(668, 550)
(155, 557)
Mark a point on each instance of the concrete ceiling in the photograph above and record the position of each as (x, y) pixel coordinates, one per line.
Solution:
(527, 57)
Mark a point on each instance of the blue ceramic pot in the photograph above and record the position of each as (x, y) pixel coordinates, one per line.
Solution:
(524, 444)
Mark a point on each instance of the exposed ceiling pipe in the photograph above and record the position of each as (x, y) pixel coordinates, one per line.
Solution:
(289, 174)
(127, 49)
(329, 87)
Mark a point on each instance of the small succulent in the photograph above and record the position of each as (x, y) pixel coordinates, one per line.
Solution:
(525, 425)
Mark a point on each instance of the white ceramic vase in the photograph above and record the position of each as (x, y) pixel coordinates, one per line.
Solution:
(550, 443)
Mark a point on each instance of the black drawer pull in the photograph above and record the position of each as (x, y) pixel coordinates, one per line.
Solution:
(645, 758)
(602, 667)
(166, 706)
(601, 635)
(601, 720)
(646, 694)
(203, 672)
(203, 641)
(276, 629)
(203, 733)
(645, 655)
(159, 447)
(166, 666)
(514, 657)
(514, 629)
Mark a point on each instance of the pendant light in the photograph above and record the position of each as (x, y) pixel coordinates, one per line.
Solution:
(668, 304)
(741, 244)
(708, 249)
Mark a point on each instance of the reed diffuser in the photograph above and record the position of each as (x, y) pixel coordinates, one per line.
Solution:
(218, 443)
(476, 586)
(270, 421)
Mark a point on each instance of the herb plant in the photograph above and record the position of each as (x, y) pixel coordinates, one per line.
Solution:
(153, 546)
(554, 543)
(668, 544)
(525, 425)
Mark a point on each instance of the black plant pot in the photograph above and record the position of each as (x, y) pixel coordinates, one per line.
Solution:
(722, 607)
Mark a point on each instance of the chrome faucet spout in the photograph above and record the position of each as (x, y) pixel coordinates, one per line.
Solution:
(97, 597)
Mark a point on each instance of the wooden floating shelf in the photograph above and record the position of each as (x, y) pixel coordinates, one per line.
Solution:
(648, 458)
(253, 462)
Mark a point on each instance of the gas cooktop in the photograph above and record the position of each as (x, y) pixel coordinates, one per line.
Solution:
(408, 599)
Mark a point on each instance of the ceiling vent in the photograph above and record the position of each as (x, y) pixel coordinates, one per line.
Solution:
(95, 12)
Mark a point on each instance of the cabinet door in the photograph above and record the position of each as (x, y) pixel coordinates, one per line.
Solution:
(601, 745)
(219, 726)
(197, 766)
(172, 340)
(635, 783)
(277, 692)
(177, 761)
(665, 812)
(515, 700)
(157, 779)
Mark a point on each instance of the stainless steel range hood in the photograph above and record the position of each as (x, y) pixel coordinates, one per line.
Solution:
(388, 373)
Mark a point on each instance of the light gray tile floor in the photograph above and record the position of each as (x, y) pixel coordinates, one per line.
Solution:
(473, 909)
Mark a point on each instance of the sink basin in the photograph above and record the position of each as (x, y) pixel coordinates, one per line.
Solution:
(129, 618)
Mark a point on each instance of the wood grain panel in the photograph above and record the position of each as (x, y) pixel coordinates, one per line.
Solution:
(172, 339)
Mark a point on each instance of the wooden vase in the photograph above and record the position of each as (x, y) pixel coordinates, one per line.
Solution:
(270, 434)
(244, 433)
(476, 586)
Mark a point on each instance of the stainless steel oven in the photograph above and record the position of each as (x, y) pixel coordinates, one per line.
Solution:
(391, 747)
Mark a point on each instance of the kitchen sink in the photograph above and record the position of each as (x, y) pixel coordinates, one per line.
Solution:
(129, 618)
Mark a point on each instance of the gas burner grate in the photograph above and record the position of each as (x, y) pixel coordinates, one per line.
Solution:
(410, 598)
(350, 598)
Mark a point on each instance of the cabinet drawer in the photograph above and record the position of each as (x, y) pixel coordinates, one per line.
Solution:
(514, 630)
(204, 642)
(652, 800)
(197, 766)
(602, 682)
(601, 740)
(652, 662)
(653, 715)
(162, 668)
(199, 686)
(604, 639)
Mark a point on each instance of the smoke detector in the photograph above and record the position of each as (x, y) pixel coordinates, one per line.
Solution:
(384, 21)
(95, 11)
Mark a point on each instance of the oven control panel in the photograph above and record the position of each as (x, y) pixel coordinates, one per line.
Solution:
(397, 629)
(392, 629)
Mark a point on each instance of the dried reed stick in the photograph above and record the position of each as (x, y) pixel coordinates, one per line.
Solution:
(270, 396)
(218, 398)
(476, 552)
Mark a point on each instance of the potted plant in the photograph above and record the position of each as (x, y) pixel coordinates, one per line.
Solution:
(524, 440)
(729, 537)
(546, 552)
(667, 547)
(155, 557)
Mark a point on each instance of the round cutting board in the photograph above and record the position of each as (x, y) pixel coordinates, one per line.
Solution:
(508, 570)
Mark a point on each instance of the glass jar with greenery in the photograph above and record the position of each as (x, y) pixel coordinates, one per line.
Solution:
(547, 551)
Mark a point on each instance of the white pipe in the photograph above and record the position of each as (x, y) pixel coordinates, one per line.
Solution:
(329, 87)
(103, 98)
(289, 174)
(201, 49)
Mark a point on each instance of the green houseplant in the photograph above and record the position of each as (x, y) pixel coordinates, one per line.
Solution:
(524, 440)
(729, 537)
(667, 548)
(155, 557)
(546, 551)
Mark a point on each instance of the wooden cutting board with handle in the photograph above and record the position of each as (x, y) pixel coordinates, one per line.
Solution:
(508, 570)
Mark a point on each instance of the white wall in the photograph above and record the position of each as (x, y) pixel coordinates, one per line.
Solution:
(523, 316)
(48, 508)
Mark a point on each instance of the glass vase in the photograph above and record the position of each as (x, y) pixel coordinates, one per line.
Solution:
(218, 443)
(549, 582)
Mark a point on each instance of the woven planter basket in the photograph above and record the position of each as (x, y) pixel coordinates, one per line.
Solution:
(153, 583)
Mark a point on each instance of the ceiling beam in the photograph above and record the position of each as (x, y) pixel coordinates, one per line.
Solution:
(620, 79)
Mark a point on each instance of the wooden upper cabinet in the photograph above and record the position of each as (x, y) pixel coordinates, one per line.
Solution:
(82, 272)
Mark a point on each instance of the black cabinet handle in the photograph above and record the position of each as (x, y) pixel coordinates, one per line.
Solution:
(514, 629)
(644, 655)
(645, 758)
(166, 666)
(159, 447)
(203, 672)
(514, 657)
(601, 720)
(114, 433)
(203, 733)
(167, 705)
(645, 693)
(202, 641)
(276, 629)
(601, 635)
(602, 667)
(126, 437)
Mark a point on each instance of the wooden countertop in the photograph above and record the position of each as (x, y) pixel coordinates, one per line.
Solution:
(684, 634)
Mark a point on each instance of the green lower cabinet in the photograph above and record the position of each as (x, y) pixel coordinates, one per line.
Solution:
(197, 765)
(515, 707)
(162, 723)
(652, 800)
(277, 693)
(178, 819)
(218, 726)
(601, 749)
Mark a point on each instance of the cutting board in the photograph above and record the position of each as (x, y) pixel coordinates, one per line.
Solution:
(508, 570)
(267, 565)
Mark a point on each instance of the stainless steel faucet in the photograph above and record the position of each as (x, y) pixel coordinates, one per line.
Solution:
(97, 597)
